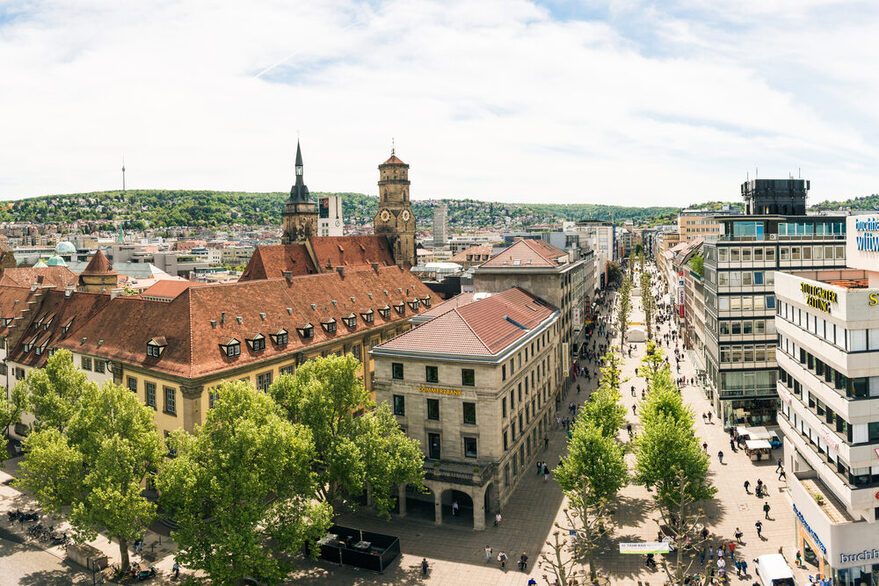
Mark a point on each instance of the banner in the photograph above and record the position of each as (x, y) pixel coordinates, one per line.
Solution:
(642, 548)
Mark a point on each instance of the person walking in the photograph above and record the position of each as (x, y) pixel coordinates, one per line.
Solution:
(497, 519)
(633, 390)
(738, 535)
(766, 508)
(454, 508)
(747, 484)
(502, 558)
(523, 562)
(424, 566)
(778, 465)
(759, 526)
(488, 553)
(539, 467)
(545, 473)
(545, 442)
(720, 456)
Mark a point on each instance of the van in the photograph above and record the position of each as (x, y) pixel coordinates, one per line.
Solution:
(774, 571)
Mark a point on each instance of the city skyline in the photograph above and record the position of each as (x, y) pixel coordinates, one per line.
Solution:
(500, 101)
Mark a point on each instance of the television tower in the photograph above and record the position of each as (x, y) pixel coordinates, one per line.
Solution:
(123, 173)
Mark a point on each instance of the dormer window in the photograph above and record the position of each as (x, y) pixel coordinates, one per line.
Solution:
(350, 320)
(306, 331)
(231, 348)
(385, 312)
(256, 342)
(66, 327)
(367, 316)
(156, 346)
(329, 325)
(413, 304)
(48, 322)
(426, 301)
(7, 321)
(400, 308)
(280, 338)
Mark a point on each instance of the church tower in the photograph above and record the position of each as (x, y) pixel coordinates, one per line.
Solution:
(300, 213)
(394, 218)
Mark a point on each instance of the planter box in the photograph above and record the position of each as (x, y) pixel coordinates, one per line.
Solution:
(87, 556)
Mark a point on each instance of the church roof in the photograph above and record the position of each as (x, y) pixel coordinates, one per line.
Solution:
(270, 262)
(58, 277)
(394, 160)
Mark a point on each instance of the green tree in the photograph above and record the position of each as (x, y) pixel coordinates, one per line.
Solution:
(241, 489)
(603, 408)
(352, 451)
(625, 307)
(647, 300)
(591, 474)
(53, 391)
(12, 405)
(697, 264)
(96, 464)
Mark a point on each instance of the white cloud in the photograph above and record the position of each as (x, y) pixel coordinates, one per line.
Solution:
(496, 99)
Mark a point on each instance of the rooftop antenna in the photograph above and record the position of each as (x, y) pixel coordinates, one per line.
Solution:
(756, 172)
(123, 172)
(799, 173)
(392, 146)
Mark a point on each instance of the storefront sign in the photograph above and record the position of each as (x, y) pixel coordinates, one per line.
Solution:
(865, 239)
(818, 297)
(864, 556)
(438, 391)
(808, 529)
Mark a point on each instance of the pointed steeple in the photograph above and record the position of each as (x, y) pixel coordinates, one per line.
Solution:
(299, 192)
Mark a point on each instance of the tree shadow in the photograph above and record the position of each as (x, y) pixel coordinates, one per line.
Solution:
(55, 577)
(314, 573)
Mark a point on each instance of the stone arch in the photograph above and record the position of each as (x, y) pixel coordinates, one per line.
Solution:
(465, 504)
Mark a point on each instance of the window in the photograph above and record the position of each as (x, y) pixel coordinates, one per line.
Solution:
(431, 374)
(150, 391)
(132, 384)
(504, 372)
(433, 446)
(506, 447)
(306, 331)
(396, 371)
(350, 321)
(400, 308)
(470, 413)
(367, 316)
(433, 409)
(469, 447)
(231, 348)
(263, 381)
(285, 370)
(504, 407)
(399, 405)
(468, 377)
(170, 400)
(280, 338)
(85, 363)
(212, 397)
(153, 351)
(100, 366)
(385, 311)
(329, 325)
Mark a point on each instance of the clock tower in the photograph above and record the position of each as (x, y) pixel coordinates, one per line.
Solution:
(394, 218)
(300, 214)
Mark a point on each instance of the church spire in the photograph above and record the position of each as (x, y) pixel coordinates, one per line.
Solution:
(299, 192)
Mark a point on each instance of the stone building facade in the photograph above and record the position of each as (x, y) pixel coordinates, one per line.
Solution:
(394, 218)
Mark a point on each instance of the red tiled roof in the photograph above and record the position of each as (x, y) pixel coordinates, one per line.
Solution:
(270, 262)
(351, 251)
(99, 265)
(55, 311)
(126, 324)
(169, 288)
(473, 250)
(57, 277)
(394, 160)
(13, 301)
(527, 253)
(483, 328)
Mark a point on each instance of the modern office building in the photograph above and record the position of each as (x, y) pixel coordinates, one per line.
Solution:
(739, 271)
(828, 345)
(440, 226)
(698, 223)
(475, 384)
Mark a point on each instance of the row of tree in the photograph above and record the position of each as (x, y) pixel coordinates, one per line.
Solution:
(668, 460)
(265, 474)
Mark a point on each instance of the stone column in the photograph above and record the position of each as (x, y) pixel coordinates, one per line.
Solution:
(438, 506)
(478, 497)
(401, 497)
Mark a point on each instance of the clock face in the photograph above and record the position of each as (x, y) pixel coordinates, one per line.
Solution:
(405, 215)
(385, 215)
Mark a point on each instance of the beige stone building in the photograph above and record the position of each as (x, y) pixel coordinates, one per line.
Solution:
(475, 384)
(695, 223)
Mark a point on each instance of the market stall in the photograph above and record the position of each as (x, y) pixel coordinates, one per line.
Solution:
(758, 449)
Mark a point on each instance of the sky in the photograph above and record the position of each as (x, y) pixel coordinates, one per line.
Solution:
(630, 102)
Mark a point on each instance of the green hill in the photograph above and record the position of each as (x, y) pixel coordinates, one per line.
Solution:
(138, 209)
(863, 203)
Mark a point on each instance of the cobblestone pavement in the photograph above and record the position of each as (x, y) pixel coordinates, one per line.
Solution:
(456, 552)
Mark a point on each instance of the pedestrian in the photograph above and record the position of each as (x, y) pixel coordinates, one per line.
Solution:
(799, 559)
(759, 526)
(539, 467)
(629, 429)
(705, 446)
(720, 456)
(782, 474)
(488, 553)
(497, 519)
(634, 410)
(745, 567)
(766, 508)
(502, 558)
(709, 417)
(759, 487)
(424, 566)
(578, 388)
(176, 570)
(738, 568)
(739, 535)
(702, 557)
(523, 561)
(545, 442)
(778, 465)
(545, 473)
(454, 508)
(633, 390)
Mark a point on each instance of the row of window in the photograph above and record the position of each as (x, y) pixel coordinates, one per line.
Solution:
(87, 363)
(745, 278)
(748, 382)
(170, 395)
(746, 327)
(435, 450)
(859, 340)
(745, 254)
(853, 388)
(433, 409)
(745, 302)
(516, 361)
(747, 353)
(431, 374)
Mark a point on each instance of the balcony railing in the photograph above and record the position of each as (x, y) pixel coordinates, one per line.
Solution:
(459, 472)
